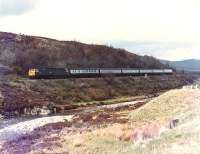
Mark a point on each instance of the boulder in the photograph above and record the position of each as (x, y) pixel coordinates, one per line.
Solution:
(173, 123)
(1, 100)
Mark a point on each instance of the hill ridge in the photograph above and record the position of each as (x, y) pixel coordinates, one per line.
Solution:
(191, 65)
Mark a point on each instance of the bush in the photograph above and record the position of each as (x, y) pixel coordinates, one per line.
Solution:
(17, 70)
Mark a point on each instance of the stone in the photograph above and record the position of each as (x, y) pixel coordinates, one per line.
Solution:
(1, 100)
(173, 123)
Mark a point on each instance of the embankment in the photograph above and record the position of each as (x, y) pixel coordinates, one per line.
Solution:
(21, 96)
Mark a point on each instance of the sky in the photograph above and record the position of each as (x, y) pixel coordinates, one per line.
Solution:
(166, 29)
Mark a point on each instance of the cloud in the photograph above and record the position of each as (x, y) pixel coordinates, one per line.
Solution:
(148, 26)
(180, 53)
(16, 7)
(161, 50)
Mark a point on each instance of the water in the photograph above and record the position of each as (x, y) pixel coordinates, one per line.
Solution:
(4, 122)
(13, 128)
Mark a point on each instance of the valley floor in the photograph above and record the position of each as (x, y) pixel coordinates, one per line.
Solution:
(167, 124)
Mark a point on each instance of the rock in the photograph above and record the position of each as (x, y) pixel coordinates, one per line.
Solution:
(53, 109)
(44, 111)
(173, 123)
(36, 111)
(40, 111)
(1, 100)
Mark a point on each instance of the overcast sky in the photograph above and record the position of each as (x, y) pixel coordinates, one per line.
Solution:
(167, 29)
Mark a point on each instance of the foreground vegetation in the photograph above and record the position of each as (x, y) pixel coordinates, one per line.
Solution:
(167, 124)
(19, 93)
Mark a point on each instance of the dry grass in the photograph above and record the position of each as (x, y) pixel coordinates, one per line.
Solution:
(150, 123)
(166, 107)
(181, 104)
(113, 101)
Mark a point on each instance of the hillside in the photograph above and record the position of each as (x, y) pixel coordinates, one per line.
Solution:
(22, 52)
(21, 96)
(190, 65)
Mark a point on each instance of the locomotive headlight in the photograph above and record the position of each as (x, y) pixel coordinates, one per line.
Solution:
(32, 72)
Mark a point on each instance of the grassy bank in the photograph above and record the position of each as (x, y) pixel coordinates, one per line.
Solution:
(167, 124)
(155, 116)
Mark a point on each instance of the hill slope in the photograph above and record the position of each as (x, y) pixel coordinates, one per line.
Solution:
(19, 95)
(192, 65)
(26, 51)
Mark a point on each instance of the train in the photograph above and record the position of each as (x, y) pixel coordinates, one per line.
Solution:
(62, 73)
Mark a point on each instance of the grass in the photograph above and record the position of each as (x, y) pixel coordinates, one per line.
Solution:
(97, 145)
(112, 101)
(110, 145)
(182, 139)
(171, 141)
(163, 108)
(159, 145)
